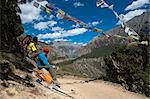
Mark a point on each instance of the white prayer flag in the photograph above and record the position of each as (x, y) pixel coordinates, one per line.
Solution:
(102, 4)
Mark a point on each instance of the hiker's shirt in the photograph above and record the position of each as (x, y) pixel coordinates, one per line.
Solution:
(43, 61)
(31, 47)
(33, 50)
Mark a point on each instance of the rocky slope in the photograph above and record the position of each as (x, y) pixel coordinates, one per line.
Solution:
(10, 54)
(91, 90)
(68, 49)
(62, 50)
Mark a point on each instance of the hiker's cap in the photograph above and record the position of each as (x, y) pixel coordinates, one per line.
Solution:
(46, 49)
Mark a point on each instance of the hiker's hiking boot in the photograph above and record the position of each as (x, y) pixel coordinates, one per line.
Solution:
(39, 80)
(56, 83)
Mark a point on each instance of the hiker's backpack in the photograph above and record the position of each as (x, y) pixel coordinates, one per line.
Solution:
(31, 47)
(45, 75)
(24, 40)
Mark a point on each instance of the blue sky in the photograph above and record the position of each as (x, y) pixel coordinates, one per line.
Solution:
(50, 28)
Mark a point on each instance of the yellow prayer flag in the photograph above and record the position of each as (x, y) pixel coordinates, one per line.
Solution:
(97, 30)
(61, 12)
(48, 11)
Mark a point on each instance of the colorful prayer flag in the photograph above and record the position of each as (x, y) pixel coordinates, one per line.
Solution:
(48, 11)
(36, 4)
(42, 8)
(51, 6)
(82, 23)
(66, 18)
(61, 12)
(59, 16)
(75, 20)
(111, 7)
(96, 30)
(102, 4)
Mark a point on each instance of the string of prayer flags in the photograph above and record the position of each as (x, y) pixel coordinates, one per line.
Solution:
(129, 31)
(51, 9)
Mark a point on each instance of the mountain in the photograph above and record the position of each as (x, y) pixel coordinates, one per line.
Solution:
(69, 49)
(61, 50)
(139, 23)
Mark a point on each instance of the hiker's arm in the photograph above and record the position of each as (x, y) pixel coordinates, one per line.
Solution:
(36, 54)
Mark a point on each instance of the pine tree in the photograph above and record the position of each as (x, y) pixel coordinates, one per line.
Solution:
(11, 25)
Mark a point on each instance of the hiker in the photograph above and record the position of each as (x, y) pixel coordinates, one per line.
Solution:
(24, 40)
(33, 50)
(44, 63)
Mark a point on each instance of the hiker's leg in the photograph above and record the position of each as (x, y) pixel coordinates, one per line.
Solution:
(54, 76)
(32, 62)
(53, 73)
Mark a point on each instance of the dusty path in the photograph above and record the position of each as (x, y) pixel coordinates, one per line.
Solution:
(91, 90)
(97, 90)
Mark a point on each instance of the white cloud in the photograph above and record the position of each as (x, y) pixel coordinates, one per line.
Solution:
(48, 41)
(90, 24)
(65, 40)
(30, 13)
(75, 26)
(95, 23)
(51, 17)
(57, 29)
(132, 14)
(43, 3)
(44, 25)
(41, 40)
(137, 4)
(78, 4)
(64, 33)
(61, 22)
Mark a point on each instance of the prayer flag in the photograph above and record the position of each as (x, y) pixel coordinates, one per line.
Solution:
(36, 4)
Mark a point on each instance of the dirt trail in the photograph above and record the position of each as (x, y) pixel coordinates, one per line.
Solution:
(97, 90)
(91, 90)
